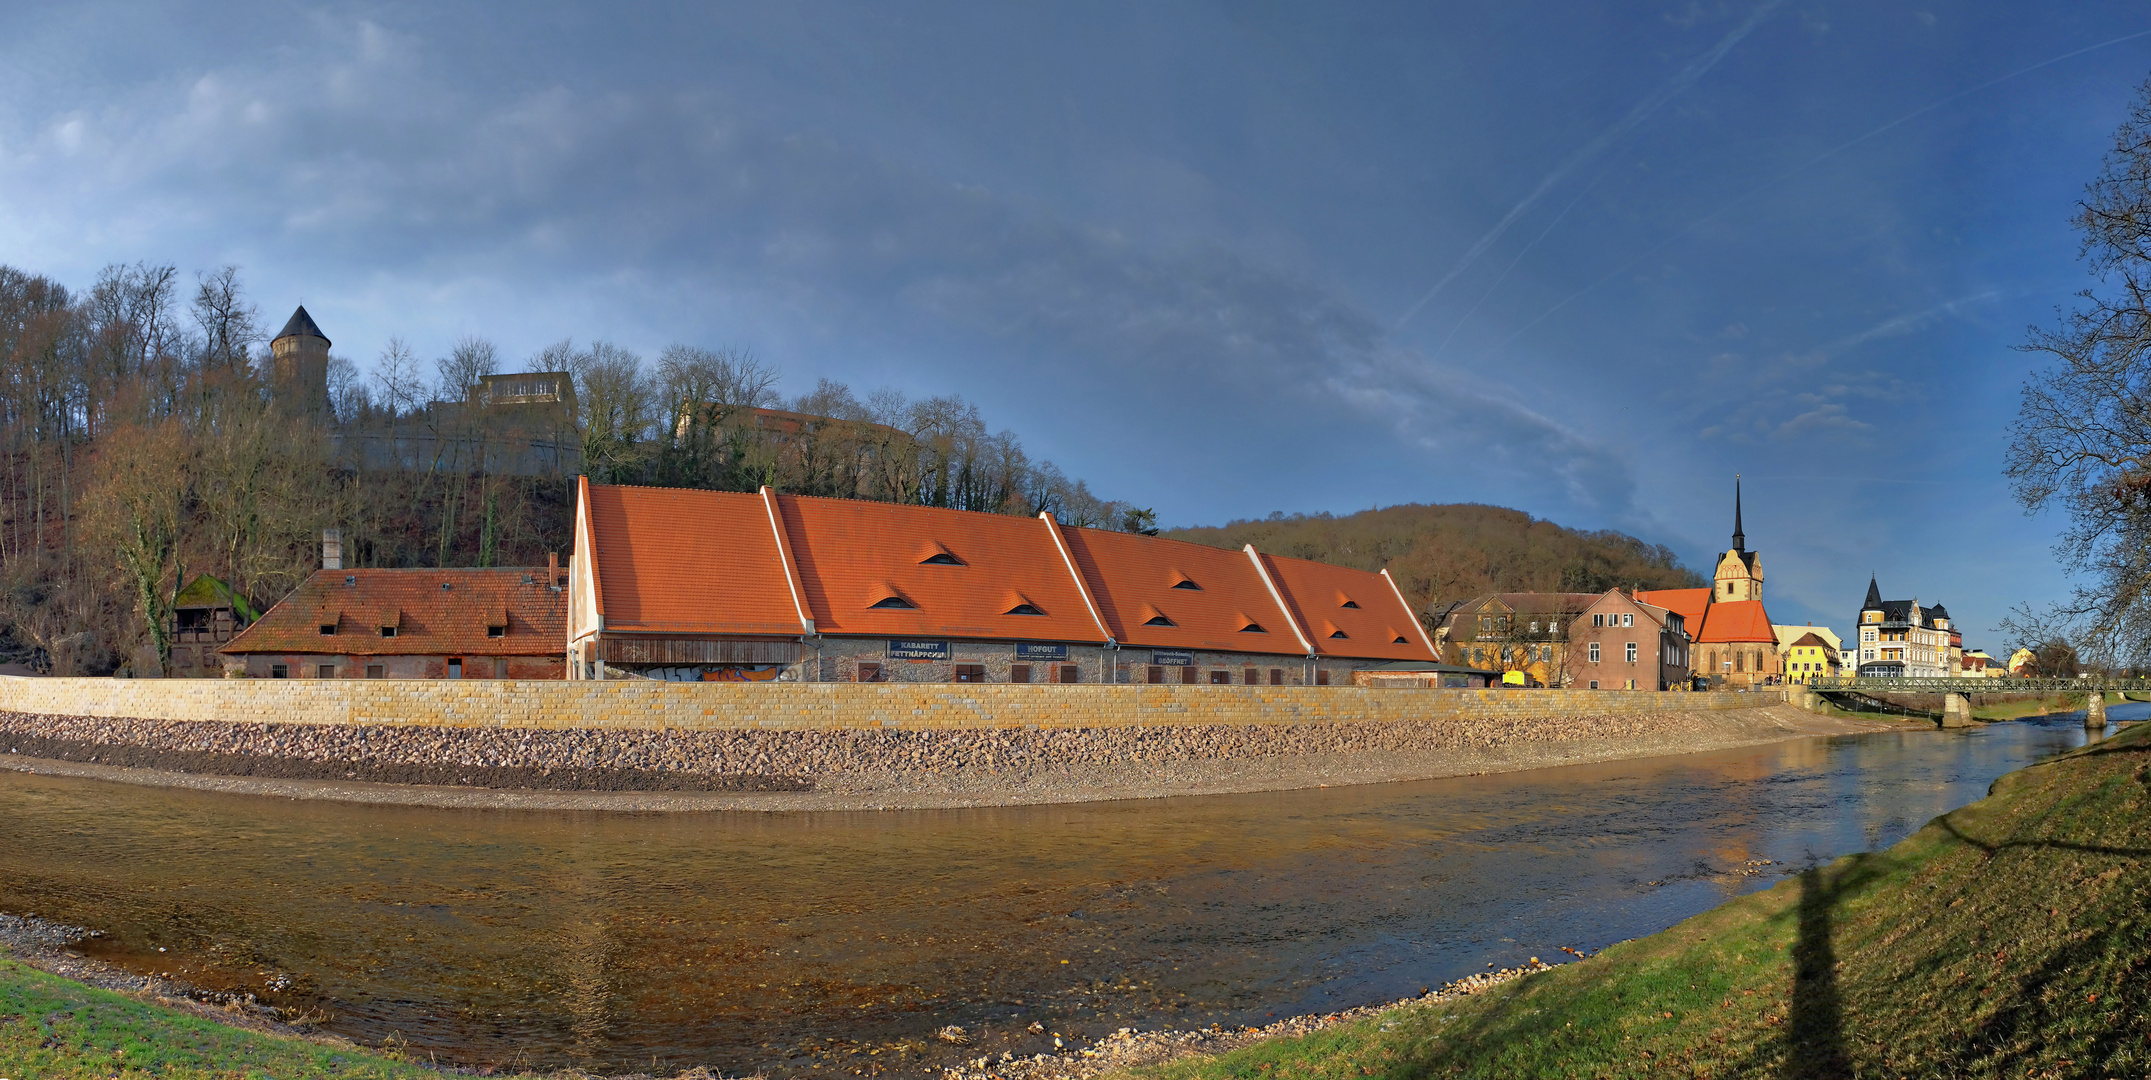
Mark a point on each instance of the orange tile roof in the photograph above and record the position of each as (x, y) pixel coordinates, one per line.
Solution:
(964, 574)
(1139, 579)
(1376, 625)
(429, 620)
(678, 560)
(1737, 621)
(1689, 604)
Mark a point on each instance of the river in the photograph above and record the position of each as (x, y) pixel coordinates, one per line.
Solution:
(836, 943)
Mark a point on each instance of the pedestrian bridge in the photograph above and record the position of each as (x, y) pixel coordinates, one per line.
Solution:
(1824, 685)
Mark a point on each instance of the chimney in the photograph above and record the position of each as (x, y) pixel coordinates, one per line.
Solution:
(552, 568)
(332, 549)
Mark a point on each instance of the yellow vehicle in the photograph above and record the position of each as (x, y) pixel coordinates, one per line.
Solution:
(1515, 678)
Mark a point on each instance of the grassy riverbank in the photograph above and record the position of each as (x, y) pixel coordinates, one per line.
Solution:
(56, 1029)
(2007, 938)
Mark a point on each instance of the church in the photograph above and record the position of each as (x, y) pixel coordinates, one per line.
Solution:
(1735, 647)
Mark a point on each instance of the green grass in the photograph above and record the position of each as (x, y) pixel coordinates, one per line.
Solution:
(55, 1029)
(2006, 939)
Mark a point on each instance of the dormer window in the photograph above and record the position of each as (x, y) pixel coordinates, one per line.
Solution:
(893, 602)
(328, 628)
(942, 558)
(1160, 620)
(1349, 604)
(496, 631)
(1253, 628)
(388, 631)
(1400, 640)
(350, 579)
(1184, 583)
(1338, 635)
(1025, 609)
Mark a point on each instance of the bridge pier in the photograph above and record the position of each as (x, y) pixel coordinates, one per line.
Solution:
(1956, 711)
(2095, 711)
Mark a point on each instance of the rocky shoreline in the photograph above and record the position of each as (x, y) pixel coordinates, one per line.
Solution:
(848, 769)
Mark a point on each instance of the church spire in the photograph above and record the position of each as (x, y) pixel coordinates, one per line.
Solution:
(1740, 539)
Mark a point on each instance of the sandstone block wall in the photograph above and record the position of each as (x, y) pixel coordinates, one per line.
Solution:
(655, 706)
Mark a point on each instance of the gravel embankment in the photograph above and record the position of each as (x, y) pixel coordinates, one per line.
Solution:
(851, 768)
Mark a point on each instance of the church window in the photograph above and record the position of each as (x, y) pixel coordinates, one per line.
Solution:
(1740, 660)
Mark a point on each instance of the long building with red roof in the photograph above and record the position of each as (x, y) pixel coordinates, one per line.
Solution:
(715, 585)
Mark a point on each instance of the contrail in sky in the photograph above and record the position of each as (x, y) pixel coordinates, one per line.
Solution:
(1642, 110)
(1808, 164)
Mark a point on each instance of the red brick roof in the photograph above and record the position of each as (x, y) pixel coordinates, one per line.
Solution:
(1737, 621)
(430, 620)
(671, 559)
(1347, 612)
(1689, 604)
(963, 574)
(1213, 598)
(714, 563)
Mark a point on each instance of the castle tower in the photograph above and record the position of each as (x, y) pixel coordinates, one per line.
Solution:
(299, 366)
(1740, 571)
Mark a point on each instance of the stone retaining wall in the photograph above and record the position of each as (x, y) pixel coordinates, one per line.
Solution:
(654, 706)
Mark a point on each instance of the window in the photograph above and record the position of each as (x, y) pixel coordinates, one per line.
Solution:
(376, 671)
(388, 631)
(279, 671)
(455, 668)
(1553, 628)
(1628, 618)
(970, 673)
(495, 631)
(1019, 673)
(1070, 673)
(1184, 583)
(1157, 674)
(1253, 628)
(1187, 676)
(1594, 684)
(869, 673)
(1740, 660)
(1486, 624)
(350, 579)
(325, 671)
(893, 602)
(1277, 676)
(1594, 652)
(1337, 635)
(941, 559)
(1159, 620)
(1321, 677)
(326, 628)
(1249, 677)
(1598, 619)
(1534, 626)
(1400, 640)
(1221, 677)
(1025, 609)
(1631, 652)
(1349, 603)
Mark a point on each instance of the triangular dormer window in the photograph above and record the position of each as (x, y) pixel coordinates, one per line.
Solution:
(1184, 582)
(1159, 620)
(934, 554)
(1253, 627)
(893, 602)
(1400, 640)
(1025, 609)
(1349, 604)
(1337, 635)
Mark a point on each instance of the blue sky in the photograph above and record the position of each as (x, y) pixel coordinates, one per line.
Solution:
(1586, 260)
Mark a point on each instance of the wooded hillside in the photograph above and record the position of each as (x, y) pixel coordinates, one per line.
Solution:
(1444, 553)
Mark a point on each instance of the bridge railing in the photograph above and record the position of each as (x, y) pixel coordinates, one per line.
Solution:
(1824, 685)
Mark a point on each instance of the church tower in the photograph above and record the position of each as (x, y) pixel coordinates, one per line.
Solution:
(1740, 571)
(299, 366)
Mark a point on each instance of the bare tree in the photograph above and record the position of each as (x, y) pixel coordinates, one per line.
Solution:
(471, 359)
(230, 325)
(2082, 438)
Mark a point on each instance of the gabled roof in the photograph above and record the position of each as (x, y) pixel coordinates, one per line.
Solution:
(1134, 578)
(1735, 621)
(1690, 603)
(1810, 639)
(684, 561)
(964, 574)
(210, 592)
(301, 325)
(1376, 625)
(430, 620)
(1788, 636)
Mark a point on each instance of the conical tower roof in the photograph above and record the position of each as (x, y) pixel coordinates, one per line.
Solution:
(1874, 595)
(301, 325)
(1740, 537)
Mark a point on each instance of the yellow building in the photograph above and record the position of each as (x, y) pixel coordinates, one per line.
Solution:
(1809, 652)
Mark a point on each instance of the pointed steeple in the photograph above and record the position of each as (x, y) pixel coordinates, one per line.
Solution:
(1874, 595)
(1740, 539)
(300, 325)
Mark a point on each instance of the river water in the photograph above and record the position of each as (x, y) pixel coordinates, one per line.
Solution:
(838, 942)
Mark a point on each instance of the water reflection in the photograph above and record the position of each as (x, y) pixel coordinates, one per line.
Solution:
(783, 942)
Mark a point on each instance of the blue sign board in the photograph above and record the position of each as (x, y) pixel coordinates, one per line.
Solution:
(1027, 651)
(918, 650)
(1172, 658)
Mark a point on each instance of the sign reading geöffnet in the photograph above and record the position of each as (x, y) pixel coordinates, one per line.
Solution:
(918, 650)
(1027, 651)
(1172, 658)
